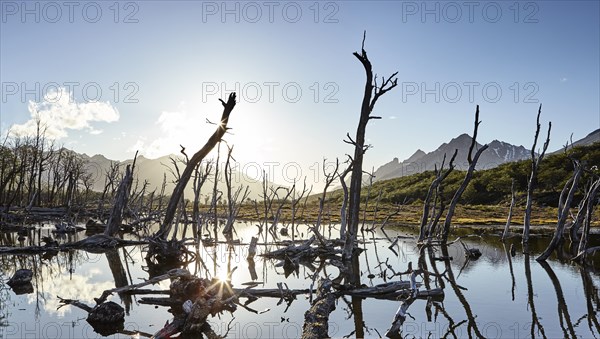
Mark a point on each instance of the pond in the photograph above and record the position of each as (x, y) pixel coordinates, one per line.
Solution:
(496, 296)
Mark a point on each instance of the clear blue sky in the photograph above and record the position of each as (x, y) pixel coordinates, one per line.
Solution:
(161, 66)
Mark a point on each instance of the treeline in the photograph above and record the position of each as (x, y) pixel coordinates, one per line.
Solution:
(36, 172)
(493, 186)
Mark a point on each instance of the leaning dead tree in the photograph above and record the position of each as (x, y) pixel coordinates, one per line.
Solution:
(535, 164)
(513, 201)
(165, 227)
(373, 91)
(564, 205)
(590, 198)
(472, 163)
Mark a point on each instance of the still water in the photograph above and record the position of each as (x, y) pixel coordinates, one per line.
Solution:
(496, 296)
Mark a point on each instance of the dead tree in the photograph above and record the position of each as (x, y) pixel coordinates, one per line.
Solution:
(194, 161)
(344, 208)
(440, 175)
(110, 177)
(295, 202)
(564, 204)
(234, 203)
(200, 177)
(121, 200)
(329, 178)
(472, 163)
(372, 93)
(589, 212)
(316, 318)
(513, 200)
(535, 164)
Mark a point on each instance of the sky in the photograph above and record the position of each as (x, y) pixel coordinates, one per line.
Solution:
(114, 78)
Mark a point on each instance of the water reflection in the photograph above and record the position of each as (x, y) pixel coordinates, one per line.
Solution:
(476, 292)
(535, 321)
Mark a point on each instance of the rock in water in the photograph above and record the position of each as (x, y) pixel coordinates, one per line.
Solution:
(21, 277)
(107, 318)
(21, 282)
(473, 253)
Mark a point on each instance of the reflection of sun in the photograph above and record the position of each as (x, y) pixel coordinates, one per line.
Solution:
(222, 274)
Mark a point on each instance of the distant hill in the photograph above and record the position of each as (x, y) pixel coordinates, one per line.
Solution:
(590, 139)
(153, 170)
(499, 152)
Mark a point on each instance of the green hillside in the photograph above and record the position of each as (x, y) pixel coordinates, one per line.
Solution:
(492, 186)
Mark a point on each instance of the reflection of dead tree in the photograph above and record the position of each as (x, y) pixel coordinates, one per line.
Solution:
(535, 321)
(563, 312)
(510, 267)
(119, 275)
(591, 294)
(535, 164)
(472, 324)
(472, 163)
(372, 93)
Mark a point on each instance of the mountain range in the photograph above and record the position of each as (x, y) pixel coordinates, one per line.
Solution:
(154, 171)
(591, 138)
(498, 152)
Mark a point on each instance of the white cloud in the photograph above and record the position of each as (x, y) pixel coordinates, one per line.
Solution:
(178, 127)
(563, 79)
(78, 286)
(59, 112)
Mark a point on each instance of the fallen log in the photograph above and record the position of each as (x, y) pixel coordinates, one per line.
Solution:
(290, 250)
(98, 242)
(172, 274)
(400, 316)
(388, 291)
(316, 317)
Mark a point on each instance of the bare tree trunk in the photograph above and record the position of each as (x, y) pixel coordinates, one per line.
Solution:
(295, 202)
(510, 210)
(582, 209)
(194, 161)
(371, 94)
(563, 210)
(591, 198)
(535, 163)
(344, 208)
(121, 200)
(440, 175)
(465, 183)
